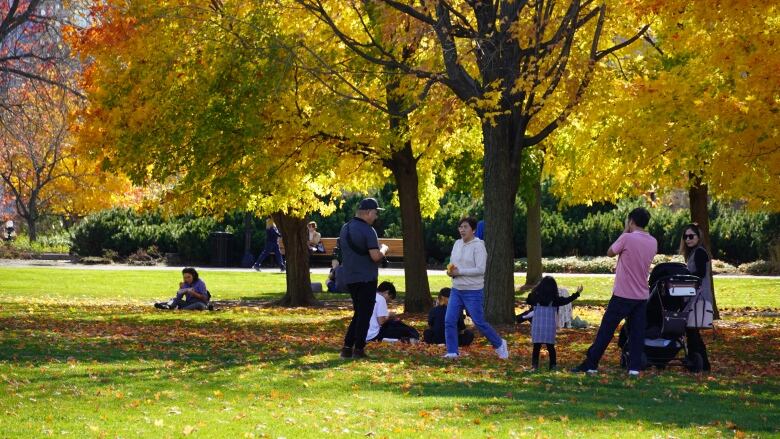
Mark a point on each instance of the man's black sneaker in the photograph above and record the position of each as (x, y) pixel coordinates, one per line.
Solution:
(162, 305)
(346, 352)
(359, 353)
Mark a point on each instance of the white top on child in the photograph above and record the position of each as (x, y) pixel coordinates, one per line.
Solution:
(564, 311)
(380, 310)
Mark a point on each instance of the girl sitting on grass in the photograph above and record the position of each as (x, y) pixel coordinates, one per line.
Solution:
(545, 301)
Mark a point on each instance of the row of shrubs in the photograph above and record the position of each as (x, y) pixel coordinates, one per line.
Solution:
(120, 233)
(738, 236)
(603, 264)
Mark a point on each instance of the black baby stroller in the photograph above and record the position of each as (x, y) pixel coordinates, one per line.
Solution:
(671, 288)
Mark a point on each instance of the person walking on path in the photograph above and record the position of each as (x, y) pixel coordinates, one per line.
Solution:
(635, 249)
(360, 254)
(272, 237)
(467, 270)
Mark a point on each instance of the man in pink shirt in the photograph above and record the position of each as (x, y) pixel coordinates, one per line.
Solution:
(635, 250)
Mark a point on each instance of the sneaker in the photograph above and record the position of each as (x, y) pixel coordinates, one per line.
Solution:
(346, 352)
(162, 305)
(211, 307)
(581, 368)
(256, 267)
(503, 350)
(451, 356)
(633, 373)
(359, 353)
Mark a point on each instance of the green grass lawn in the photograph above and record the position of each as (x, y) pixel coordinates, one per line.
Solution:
(83, 355)
(143, 286)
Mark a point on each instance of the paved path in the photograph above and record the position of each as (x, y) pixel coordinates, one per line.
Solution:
(316, 270)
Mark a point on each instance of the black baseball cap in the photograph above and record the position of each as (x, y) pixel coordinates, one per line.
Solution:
(368, 204)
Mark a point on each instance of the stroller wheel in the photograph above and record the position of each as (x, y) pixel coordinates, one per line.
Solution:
(695, 362)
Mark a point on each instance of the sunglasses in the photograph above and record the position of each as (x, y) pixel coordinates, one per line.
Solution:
(688, 236)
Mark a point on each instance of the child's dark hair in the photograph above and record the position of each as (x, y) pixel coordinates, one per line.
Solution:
(546, 291)
(388, 287)
(193, 272)
(445, 292)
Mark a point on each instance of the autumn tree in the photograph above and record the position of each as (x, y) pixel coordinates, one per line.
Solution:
(413, 138)
(695, 108)
(39, 167)
(212, 108)
(31, 46)
(521, 66)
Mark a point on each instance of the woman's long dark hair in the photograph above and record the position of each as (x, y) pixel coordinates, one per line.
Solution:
(686, 251)
(193, 272)
(546, 291)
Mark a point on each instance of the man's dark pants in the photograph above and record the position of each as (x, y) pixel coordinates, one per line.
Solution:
(363, 300)
(619, 308)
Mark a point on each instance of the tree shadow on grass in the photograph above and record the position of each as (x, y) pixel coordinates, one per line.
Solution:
(662, 400)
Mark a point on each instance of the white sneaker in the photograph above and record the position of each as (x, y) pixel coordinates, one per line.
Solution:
(451, 356)
(503, 350)
(633, 373)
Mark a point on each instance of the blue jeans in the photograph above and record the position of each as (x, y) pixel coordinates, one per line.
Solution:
(267, 251)
(619, 308)
(472, 301)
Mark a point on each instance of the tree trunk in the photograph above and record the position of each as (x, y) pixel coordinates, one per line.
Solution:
(533, 243)
(294, 234)
(418, 292)
(698, 194)
(403, 165)
(32, 230)
(501, 177)
(32, 218)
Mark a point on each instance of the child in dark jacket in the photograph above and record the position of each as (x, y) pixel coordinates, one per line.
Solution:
(435, 332)
(545, 301)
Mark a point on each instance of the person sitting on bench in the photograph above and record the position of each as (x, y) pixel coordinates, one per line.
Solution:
(435, 332)
(383, 324)
(194, 289)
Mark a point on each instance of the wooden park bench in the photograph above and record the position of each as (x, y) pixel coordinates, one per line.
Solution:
(395, 250)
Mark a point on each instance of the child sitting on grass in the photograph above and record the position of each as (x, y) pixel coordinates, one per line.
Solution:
(435, 332)
(545, 301)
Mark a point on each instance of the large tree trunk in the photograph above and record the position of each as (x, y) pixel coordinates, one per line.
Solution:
(403, 165)
(294, 234)
(418, 292)
(698, 195)
(533, 236)
(501, 177)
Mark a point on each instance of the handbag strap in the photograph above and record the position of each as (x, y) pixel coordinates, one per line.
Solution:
(351, 243)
